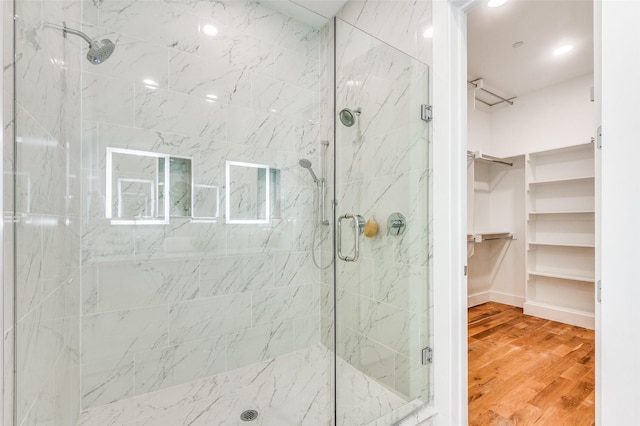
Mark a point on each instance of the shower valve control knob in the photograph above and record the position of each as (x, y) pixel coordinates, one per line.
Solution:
(396, 224)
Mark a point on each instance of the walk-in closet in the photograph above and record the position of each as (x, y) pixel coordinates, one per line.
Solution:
(530, 212)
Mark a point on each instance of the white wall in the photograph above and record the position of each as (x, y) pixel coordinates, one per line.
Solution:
(449, 213)
(479, 127)
(507, 209)
(553, 117)
(497, 268)
(619, 345)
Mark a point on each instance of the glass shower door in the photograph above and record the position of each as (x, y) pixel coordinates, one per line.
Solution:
(382, 231)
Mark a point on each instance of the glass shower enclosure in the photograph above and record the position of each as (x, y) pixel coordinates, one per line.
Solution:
(218, 213)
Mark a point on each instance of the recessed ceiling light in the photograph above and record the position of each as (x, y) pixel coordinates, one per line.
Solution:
(496, 3)
(517, 44)
(562, 50)
(428, 32)
(209, 29)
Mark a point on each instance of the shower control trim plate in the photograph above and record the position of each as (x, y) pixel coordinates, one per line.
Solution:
(397, 224)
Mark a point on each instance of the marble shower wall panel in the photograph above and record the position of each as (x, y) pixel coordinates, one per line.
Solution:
(47, 213)
(325, 254)
(400, 24)
(125, 286)
(195, 298)
(382, 168)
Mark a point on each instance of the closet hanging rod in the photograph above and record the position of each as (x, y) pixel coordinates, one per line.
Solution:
(473, 240)
(506, 163)
(477, 86)
(509, 237)
(480, 157)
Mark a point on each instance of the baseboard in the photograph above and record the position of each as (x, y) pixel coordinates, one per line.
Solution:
(564, 315)
(494, 296)
(507, 299)
(478, 299)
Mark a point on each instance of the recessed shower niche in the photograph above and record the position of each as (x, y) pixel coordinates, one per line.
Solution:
(252, 192)
(180, 186)
(143, 190)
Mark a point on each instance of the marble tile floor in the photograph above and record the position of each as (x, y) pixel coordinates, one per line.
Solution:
(290, 390)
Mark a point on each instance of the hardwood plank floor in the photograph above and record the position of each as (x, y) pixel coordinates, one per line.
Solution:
(525, 370)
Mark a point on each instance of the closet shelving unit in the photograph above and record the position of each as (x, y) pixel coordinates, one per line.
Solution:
(561, 235)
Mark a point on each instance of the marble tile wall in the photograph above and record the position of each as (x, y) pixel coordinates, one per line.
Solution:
(167, 304)
(8, 155)
(326, 255)
(47, 213)
(145, 289)
(398, 23)
(382, 168)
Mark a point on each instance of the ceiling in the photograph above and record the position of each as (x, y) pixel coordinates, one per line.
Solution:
(542, 26)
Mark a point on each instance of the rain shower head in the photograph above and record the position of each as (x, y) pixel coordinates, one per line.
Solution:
(348, 116)
(99, 50)
(306, 164)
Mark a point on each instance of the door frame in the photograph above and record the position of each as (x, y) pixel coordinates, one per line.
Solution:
(450, 189)
(449, 210)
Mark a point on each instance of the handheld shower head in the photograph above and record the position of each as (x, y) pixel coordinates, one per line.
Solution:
(306, 164)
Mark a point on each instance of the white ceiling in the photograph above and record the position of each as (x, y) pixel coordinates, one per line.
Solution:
(543, 25)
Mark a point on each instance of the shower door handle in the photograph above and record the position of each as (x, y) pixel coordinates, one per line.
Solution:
(358, 225)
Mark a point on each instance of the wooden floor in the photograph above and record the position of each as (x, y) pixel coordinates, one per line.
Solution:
(525, 370)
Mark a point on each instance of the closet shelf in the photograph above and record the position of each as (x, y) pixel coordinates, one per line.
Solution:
(564, 180)
(535, 156)
(542, 243)
(564, 212)
(563, 276)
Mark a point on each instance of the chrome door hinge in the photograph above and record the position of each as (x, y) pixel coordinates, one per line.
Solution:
(426, 113)
(599, 137)
(466, 270)
(599, 291)
(427, 356)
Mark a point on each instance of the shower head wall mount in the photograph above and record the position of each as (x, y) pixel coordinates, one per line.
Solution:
(99, 50)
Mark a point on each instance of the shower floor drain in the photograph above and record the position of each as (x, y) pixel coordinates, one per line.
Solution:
(249, 415)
